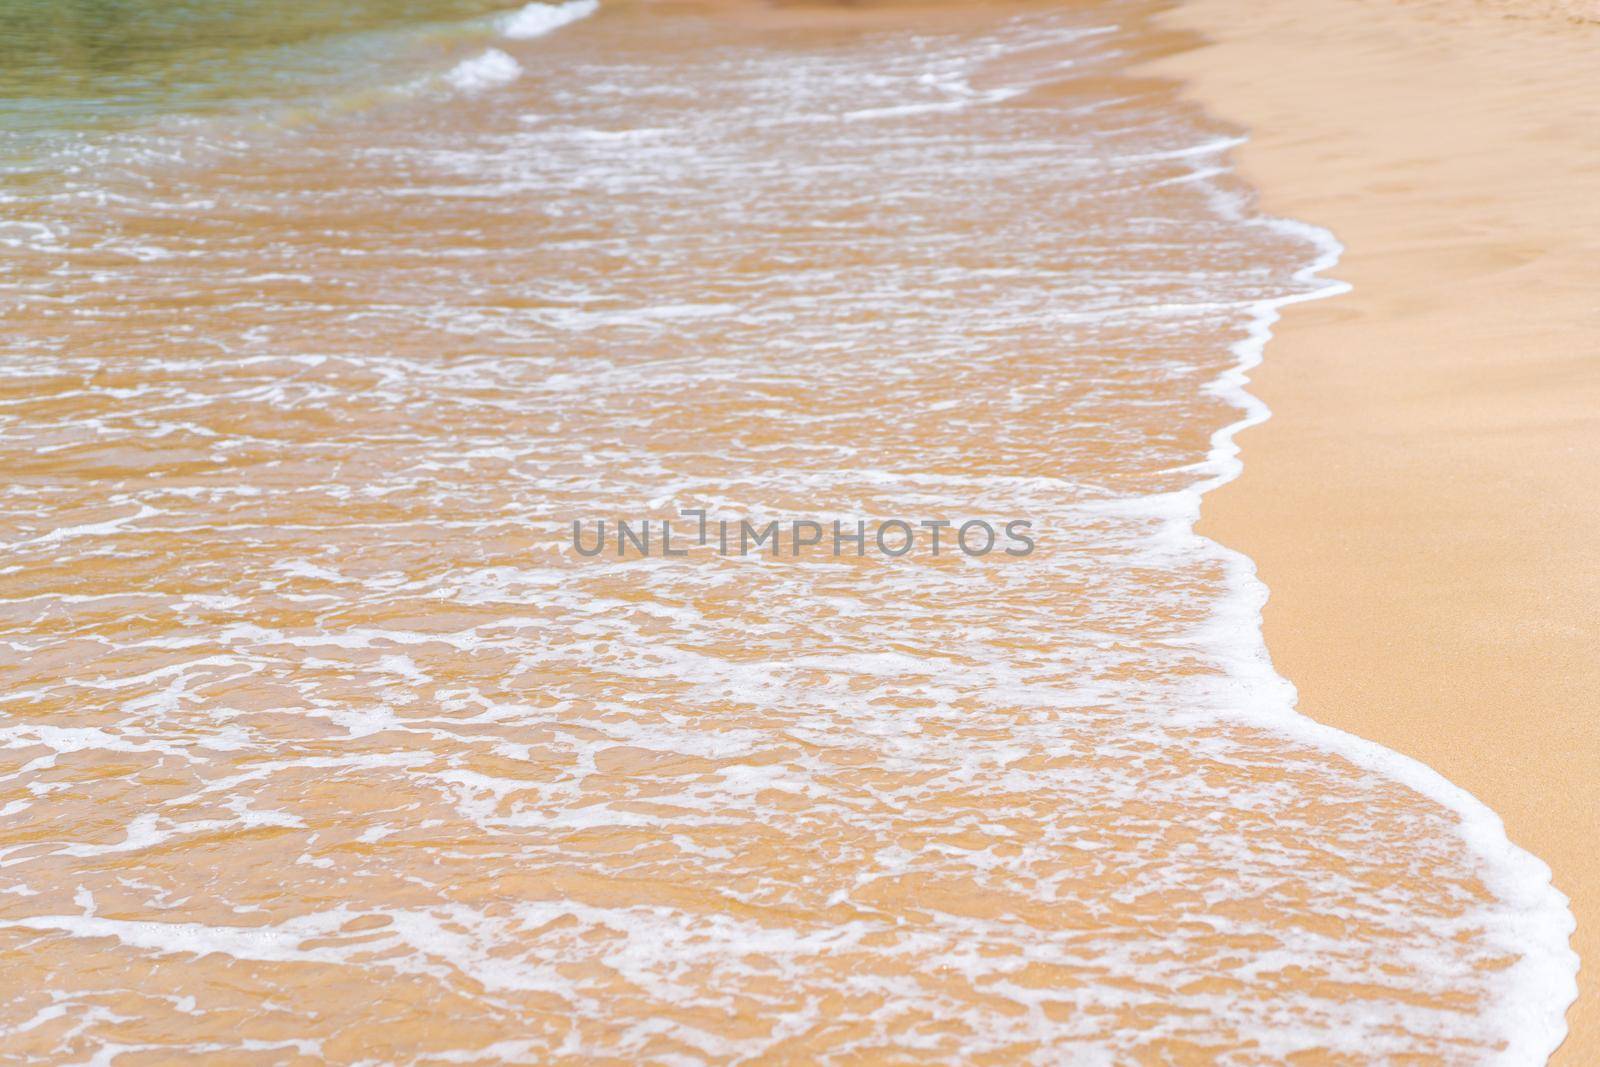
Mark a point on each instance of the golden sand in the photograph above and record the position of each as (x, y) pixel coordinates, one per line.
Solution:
(1424, 505)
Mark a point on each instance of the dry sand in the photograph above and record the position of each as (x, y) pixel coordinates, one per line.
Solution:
(1425, 502)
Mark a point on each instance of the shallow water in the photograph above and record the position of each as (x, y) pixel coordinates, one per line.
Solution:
(321, 741)
(120, 57)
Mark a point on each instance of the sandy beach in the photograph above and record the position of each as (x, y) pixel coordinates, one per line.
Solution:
(1423, 503)
(323, 738)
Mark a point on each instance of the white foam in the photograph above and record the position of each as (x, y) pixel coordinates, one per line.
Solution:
(536, 19)
(485, 71)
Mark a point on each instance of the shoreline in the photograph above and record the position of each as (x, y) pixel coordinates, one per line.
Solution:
(1422, 504)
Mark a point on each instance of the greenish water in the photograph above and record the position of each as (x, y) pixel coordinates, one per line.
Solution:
(86, 64)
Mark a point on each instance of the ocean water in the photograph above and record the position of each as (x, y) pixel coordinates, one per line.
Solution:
(318, 740)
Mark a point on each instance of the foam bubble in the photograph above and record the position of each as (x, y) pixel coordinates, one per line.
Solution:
(484, 71)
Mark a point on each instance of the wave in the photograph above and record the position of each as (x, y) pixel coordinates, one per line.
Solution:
(1041, 763)
(536, 19)
(493, 67)
(484, 71)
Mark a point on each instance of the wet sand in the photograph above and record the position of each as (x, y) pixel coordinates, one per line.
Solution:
(1425, 501)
